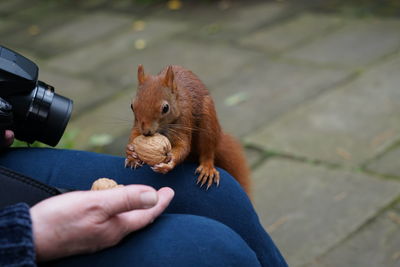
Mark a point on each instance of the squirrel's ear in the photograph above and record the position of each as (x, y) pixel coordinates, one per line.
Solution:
(169, 78)
(140, 74)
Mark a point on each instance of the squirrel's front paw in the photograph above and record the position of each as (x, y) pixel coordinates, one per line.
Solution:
(163, 167)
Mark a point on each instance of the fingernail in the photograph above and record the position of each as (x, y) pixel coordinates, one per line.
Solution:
(149, 199)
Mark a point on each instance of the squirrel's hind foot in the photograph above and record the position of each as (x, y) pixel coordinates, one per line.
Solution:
(207, 175)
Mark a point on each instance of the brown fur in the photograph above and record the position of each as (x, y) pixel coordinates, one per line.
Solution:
(191, 125)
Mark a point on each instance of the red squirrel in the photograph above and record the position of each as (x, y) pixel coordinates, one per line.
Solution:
(177, 104)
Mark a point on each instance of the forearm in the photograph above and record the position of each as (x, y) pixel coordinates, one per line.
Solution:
(16, 246)
(180, 150)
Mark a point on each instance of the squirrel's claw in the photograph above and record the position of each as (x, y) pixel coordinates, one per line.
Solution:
(168, 158)
(207, 175)
(210, 180)
(126, 163)
(133, 163)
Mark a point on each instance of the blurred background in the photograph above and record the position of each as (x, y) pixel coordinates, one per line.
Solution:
(311, 88)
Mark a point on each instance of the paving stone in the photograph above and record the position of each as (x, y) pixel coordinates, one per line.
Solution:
(264, 89)
(84, 92)
(253, 156)
(242, 19)
(251, 16)
(387, 164)
(308, 209)
(95, 56)
(348, 125)
(81, 30)
(358, 43)
(92, 4)
(122, 5)
(397, 207)
(196, 13)
(32, 11)
(112, 119)
(212, 63)
(376, 244)
(32, 25)
(291, 33)
(7, 25)
(9, 7)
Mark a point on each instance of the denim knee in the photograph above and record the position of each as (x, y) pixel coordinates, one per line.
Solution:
(174, 240)
(189, 240)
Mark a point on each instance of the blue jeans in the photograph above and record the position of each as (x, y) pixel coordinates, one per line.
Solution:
(217, 227)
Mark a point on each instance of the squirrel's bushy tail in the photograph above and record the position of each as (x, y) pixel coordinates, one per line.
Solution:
(230, 157)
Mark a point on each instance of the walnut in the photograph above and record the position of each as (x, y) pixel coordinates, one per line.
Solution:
(152, 150)
(104, 183)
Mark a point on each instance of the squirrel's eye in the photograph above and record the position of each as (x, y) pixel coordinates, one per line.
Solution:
(165, 108)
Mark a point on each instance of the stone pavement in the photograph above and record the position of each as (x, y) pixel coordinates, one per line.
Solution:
(314, 96)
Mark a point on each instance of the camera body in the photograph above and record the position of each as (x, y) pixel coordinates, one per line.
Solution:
(28, 106)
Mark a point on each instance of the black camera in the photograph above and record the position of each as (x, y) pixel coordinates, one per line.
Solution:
(28, 106)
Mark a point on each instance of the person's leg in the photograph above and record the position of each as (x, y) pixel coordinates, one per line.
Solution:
(227, 203)
(173, 240)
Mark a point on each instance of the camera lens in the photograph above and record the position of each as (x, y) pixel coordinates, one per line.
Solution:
(59, 114)
(41, 115)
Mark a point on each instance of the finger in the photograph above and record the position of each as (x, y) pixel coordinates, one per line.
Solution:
(127, 198)
(138, 219)
(9, 136)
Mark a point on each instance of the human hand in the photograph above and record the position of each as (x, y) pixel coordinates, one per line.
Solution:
(8, 138)
(87, 221)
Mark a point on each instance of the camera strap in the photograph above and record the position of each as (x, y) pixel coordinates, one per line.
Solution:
(16, 187)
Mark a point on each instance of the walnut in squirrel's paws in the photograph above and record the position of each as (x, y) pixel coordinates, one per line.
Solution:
(104, 183)
(151, 150)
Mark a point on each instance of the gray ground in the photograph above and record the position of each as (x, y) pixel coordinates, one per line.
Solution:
(314, 96)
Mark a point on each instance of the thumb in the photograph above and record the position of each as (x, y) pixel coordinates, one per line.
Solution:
(138, 219)
(127, 198)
